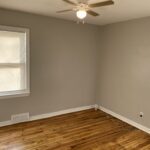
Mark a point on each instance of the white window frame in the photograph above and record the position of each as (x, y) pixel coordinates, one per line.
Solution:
(26, 92)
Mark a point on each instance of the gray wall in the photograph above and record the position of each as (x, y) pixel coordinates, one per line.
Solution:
(124, 69)
(63, 65)
(67, 71)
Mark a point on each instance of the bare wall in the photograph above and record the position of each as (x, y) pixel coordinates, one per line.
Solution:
(66, 67)
(124, 69)
(63, 65)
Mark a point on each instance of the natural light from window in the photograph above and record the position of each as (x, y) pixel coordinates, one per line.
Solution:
(13, 62)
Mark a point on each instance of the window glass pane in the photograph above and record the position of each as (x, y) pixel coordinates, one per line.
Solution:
(13, 61)
(11, 79)
(12, 47)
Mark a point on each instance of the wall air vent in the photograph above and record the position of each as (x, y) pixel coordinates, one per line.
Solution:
(20, 118)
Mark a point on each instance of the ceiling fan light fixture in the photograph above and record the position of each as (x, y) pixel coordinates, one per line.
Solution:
(81, 14)
(82, 8)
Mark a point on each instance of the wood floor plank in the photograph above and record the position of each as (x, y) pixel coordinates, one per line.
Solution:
(84, 130)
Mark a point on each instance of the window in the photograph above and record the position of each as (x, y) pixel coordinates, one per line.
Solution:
(14, 61)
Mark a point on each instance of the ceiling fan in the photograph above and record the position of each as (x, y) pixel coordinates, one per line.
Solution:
(83, 8)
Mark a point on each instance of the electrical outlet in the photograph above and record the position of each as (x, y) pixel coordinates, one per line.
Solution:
(141, 114)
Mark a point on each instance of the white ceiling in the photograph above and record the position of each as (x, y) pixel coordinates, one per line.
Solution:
(122, 10)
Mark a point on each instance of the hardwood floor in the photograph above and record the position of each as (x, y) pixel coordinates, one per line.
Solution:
(84, 130)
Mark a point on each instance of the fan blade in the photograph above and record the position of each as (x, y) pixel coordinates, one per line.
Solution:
(62, 11)
(70, 2)
(100, 4)
(90, 12)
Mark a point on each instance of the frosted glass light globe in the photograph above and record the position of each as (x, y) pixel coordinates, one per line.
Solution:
(81, 14)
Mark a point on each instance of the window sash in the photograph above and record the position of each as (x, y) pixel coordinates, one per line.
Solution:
(24, 66)
(11, 65)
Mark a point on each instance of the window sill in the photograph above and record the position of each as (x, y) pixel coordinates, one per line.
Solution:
(14, 94)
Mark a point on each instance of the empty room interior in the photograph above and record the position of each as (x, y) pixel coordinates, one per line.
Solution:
(74, 75)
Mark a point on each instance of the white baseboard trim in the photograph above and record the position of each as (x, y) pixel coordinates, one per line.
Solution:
(124, 119)
(6, 123)
(37, 117)
(52, 114)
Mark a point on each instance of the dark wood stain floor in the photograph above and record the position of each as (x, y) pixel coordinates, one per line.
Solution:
(84, 130)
